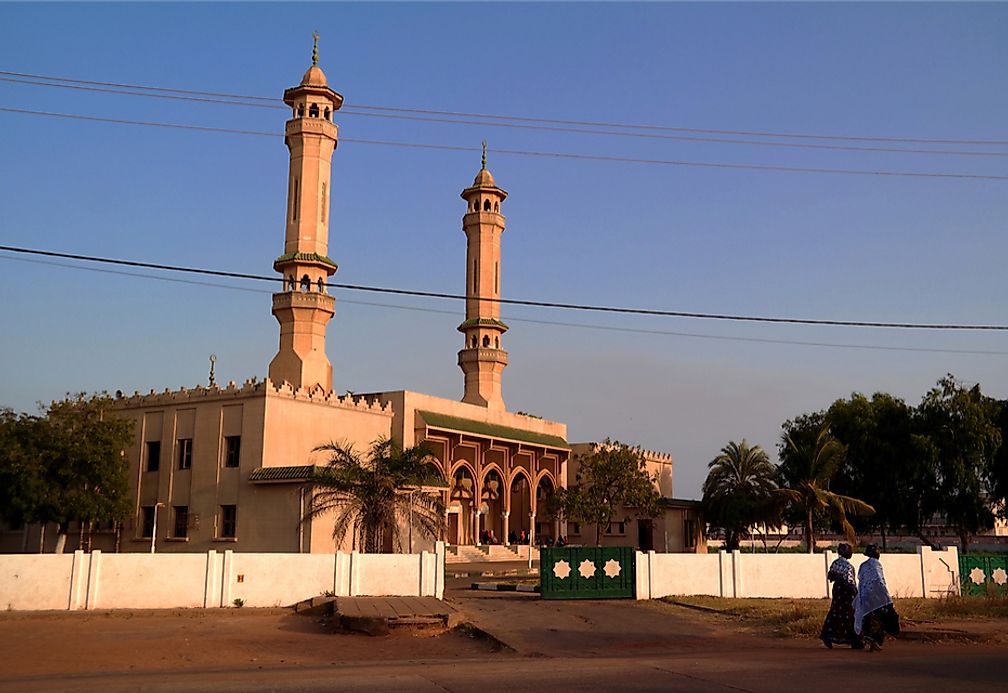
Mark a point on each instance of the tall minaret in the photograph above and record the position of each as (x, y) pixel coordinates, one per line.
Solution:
(481, 358)
(304, 307)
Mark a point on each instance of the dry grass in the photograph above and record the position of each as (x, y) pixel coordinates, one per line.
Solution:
(804, 617)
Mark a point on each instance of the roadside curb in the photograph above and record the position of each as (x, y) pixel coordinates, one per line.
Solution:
(504, 587)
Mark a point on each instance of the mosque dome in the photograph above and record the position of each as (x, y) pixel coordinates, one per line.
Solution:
(484, 178)
(314, 77)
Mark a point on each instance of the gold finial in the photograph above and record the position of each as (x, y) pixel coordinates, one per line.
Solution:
(484, 154)
(314, 50)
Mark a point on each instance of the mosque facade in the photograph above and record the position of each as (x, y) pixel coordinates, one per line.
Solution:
(215, 468)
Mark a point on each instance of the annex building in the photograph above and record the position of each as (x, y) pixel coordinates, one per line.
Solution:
(224, 467)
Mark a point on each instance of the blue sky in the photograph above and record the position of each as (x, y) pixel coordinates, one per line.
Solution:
(847, 247)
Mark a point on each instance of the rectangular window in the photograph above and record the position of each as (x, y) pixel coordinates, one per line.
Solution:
(181, 522)
(229, 521)
(616, 528)
(147, 521)
(153, 455)
(185, 453)
(232, 450)
(575, 528)
(690, 530)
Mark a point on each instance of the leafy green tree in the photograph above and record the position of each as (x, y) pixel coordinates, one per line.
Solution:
(611, 477)
(963, 438)
(372, 497)
(999, 467)
(739, 490)
(68, 466)
(886, 464)
(807, 468)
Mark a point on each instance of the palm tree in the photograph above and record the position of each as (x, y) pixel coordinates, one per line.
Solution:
(374, 497)
(738, 492)
(808, 467)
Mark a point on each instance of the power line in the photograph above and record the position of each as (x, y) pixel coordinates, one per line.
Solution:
(523, 126)
(548, 323)
(517, 302)
(528, 119)
(541, 154)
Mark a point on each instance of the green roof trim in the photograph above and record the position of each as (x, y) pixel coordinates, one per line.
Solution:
(680, 503)
(282, 474)
(460, 425)
(303, 257)
(482, 322)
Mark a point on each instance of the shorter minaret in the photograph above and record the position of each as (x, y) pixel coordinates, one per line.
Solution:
(304, 306)
(482, 359)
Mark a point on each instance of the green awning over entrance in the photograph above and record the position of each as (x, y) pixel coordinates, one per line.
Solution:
(282, 474)
(487, 430)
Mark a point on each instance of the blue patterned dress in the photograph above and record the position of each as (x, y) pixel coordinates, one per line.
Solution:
(838, 628)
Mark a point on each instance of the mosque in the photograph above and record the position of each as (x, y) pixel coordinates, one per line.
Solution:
(224, 467)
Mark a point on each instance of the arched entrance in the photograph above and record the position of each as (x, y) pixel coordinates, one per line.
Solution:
(460, 507)
(492, 506)
(546, 526)
(520, 509)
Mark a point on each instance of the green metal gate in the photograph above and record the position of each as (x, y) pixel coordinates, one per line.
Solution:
(595, 572)
(983, 575)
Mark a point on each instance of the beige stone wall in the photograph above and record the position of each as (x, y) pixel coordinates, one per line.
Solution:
(278, 427)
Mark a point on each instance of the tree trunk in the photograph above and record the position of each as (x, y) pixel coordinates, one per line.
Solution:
(883, 533)
(809, 533)
(41, 537)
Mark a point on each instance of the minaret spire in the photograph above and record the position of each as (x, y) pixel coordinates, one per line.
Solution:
(482, 359)
(314, 50)
(303, 306)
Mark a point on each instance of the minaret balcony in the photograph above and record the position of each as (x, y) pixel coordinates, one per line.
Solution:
(311, 300)
(491, 323)
(311, 126)
(482, 355)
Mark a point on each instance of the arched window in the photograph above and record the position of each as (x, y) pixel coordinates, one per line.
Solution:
(313, 111)
(496, 342)
(496, 206)
(321, 286)
(324, 205)
(486, 205)
(305, 283)
(327, 114)
(473, 342)
(475, 205)
(486, 341)
(300, 110)
(291, 284)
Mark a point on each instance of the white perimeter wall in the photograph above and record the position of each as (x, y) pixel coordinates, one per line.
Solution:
(155, 581)
(924, 574)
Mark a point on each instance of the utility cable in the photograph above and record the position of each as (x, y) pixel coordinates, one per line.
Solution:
(548, 128)
(533, 153)
(513, 319)
(588, 123)
(516, 302)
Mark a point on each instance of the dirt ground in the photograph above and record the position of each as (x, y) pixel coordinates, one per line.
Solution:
(96, 641)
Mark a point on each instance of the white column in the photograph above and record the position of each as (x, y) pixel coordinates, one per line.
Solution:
(94, 576)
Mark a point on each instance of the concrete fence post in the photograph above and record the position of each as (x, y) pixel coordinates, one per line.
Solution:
(355, 570)
(93, 580)
(210, 587)
(737, 574)
(76, 567)
(225, 591)
(830, 557)
(652, 558)
(439, 569)
(642, 588)
(724, 578)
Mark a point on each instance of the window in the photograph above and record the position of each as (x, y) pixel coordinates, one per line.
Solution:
(228, 521)
(232, 450)
(185, 453)
(313, 111)
(690, 532)
(153, 455)
(486, 205)
(575, 528)
(616, 528)
(181, 522)
(147, 521)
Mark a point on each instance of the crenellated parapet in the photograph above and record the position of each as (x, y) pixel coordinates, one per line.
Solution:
(250, 388)
(318, 395)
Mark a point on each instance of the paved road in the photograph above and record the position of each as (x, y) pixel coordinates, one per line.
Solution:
(559, 646)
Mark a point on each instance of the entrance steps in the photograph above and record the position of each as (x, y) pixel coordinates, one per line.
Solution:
(489, 553)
